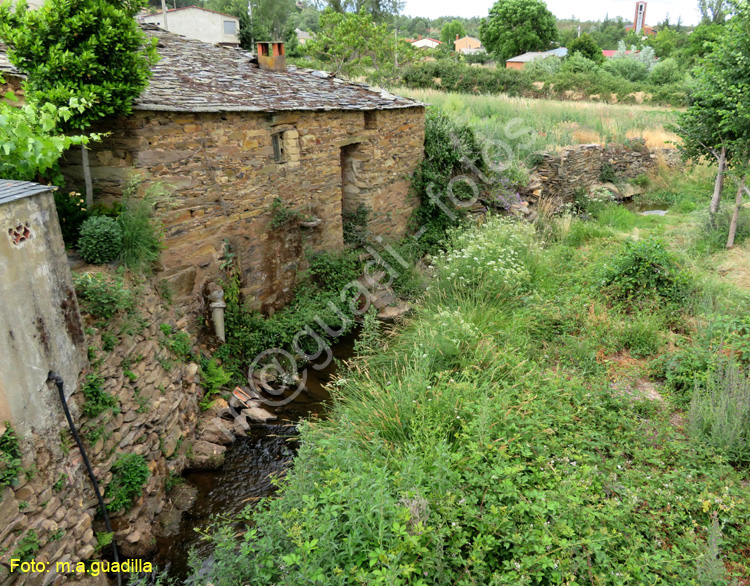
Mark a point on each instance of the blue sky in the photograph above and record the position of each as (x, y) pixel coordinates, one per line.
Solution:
(655, 12)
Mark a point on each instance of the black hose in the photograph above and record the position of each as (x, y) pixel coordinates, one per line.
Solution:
(57, 379)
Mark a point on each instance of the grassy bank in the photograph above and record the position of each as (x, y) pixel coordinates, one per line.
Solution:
(530, 125)
(535, 422)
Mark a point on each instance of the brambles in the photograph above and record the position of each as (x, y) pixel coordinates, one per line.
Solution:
(96, 399)
(644, 270)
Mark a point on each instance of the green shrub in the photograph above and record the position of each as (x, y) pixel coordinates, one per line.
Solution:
(103, 295)
(101, 240)
(667, 71)
(129, 475)
(685, 369)
(179, 343)
(109, 341)
(142, 232)
(643, 270)
(96, 399)
(577, 63)
(10, 456)
(448, 147)
(628, 69)
(456, 77)
(720, 413)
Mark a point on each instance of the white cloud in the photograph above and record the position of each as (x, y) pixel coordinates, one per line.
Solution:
(655, 12)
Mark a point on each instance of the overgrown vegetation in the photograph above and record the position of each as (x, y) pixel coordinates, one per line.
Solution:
(10, 456)
(129, 475)
(103, 295)
(96, 399)
(517, 403)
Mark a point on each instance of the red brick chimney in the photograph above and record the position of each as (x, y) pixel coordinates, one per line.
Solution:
(271, 56)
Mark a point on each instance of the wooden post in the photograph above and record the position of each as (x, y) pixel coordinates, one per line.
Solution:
(719, 184)
(87, 177)
(736, 214)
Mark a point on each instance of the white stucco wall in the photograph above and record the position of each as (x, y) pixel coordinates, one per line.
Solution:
(196, 23)
(40, 327)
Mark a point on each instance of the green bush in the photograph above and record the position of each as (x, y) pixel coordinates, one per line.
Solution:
(179, 343)
(27, 547)
(448, 147)
(645, 270)
(103, 295)
(628, 69)
(355, 225)
(577, 63)
(642, 336)
(10, 456)
(142, 232)
(129, 475)
(667, 71)
(720, 413)
(101, 240)
(96, 399)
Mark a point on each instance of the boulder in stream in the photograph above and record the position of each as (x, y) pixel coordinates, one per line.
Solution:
(206, 456)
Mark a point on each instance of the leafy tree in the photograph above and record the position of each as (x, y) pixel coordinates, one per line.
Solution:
(352, 43)
(451, 31)
(666, 42)
(30, 146)
(89, 50)
(517, 26)
(379, 10)
(717, 123)
(586, 46)
(701, 42)
(713, 11)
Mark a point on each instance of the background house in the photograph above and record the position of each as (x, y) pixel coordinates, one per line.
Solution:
(426, 43)
(520, 61)
(468, 45)
(303, 36)
(198, 23)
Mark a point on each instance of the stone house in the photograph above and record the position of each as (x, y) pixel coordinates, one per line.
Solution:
(197, 23)
(467, 45)
(230, 133)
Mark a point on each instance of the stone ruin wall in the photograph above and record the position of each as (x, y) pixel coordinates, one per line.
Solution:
(156, 417)
(223, 175)
(579, 167)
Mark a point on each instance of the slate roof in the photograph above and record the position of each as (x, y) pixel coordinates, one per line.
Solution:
(193, 76)
(11, 190)
(534, 55)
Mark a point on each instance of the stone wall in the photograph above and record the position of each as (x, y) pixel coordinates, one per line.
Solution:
(53, 502)
(579, 167)
(224, 171)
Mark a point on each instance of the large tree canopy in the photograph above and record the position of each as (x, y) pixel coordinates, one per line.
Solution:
(586, 46)
(91, 50)
(450, 31)
(517, 26)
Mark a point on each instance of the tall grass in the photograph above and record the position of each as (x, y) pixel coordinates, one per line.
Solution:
(142, 232)
(530, 125)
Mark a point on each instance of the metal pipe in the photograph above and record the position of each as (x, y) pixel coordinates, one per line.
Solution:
(55, 378)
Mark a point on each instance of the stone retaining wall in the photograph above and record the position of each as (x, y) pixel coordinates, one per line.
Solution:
(579, 167)
(53, 500)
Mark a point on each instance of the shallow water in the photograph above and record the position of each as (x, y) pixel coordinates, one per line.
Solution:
(250, 465)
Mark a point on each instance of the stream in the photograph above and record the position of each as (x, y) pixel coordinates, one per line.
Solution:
(246, 476)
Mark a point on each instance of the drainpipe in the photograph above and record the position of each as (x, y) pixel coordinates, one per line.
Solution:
(55, 378)
(217, 305)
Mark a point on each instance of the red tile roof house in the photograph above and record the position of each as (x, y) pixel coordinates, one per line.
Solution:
(228, 136)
